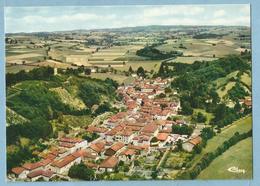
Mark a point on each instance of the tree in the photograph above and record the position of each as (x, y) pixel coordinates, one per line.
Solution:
(140, 72)
(186, 108)
(130, 70)
(179, 145)
(201, 118)
(207, 133)
(105, 107)
(182, 129)
(168, 90)
(237, 107)
(82, 172)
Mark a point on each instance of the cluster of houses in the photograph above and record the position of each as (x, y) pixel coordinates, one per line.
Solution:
(139, 131)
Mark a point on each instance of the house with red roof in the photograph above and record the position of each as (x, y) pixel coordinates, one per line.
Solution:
(141, 139)
(97, 148)
(189, 145)
(114, 149)
(124, 136)
(32, 166)
(150, 129)
(20, 172)
(127, 155)
(37, 174)
(72, 144)
(63, 165)
(163, 138)
(109, 164)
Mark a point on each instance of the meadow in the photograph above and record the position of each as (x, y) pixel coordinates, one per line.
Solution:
(240, 156)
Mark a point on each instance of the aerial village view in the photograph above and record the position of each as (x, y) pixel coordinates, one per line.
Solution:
(103, 99)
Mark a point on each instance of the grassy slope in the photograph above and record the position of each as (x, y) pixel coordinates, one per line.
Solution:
(73, 121)
(240, 155)
(68, 99)
(241, 126)
(246, 79)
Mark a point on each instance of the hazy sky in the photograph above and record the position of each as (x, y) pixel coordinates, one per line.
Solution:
(34, 19)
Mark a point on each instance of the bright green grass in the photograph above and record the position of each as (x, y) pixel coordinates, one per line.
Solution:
(239, 155)
(224, 80)
(241, 126)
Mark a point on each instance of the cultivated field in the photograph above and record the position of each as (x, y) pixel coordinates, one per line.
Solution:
(203, 47)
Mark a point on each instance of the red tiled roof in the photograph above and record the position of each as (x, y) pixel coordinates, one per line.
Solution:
(46, 173)
(70, 140)
(50, 156)
(125, 133)
(149, 128)
(110, 162)
(117, 146)
(17, 170)
(196, 141)
(66, 145)
(128, 152)
(98, 147)
(32, 166)
(34, 174)
(45, 162)
(64, 161)
(162, 136)
(96, 129)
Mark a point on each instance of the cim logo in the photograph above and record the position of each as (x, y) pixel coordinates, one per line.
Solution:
(236, 170)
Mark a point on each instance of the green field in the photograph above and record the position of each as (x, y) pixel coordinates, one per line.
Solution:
(224, 80)
(241, 126)
(240, 155)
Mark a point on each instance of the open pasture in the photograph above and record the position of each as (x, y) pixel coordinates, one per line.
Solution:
(239, 156)
(242, 125)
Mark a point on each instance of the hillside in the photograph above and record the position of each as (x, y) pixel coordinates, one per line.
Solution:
(70, 97)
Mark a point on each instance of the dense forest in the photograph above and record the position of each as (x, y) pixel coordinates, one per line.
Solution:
(196, 83)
